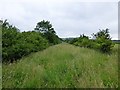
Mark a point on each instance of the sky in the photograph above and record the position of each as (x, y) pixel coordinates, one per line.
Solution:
(69, 18)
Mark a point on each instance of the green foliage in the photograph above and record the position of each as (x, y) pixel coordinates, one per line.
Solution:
(48, 32)
(72, 41)
(37, 41)
(82, 41)
(44, 27)
(9, 34)
(52, 38)
(16, 44)
(101, 41)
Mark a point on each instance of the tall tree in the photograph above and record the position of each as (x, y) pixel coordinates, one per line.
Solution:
(45, 27)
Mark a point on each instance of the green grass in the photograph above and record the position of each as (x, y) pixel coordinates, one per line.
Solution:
(63, 66)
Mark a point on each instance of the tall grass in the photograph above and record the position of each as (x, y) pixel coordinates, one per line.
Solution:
(63, 66)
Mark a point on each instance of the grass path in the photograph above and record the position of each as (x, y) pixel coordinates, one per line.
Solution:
(62, 66)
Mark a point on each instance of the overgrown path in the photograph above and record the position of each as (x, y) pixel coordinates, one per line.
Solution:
(63, 65)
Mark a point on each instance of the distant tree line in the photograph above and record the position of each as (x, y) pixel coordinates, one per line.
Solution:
(101, 41)
(16, 44)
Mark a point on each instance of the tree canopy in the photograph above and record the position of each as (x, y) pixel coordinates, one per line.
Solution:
(45, 27)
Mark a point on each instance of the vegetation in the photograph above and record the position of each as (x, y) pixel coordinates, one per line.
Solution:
(82, 41)
(101, 41)
(63, 66)
(36, 63)
(46, 29)
(15, 44)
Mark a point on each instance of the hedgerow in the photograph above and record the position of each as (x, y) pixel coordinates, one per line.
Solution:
(16, 44)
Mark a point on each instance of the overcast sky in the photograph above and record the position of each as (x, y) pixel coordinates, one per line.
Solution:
(70, 18)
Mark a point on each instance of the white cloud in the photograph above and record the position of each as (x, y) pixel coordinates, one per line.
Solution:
(69, 17)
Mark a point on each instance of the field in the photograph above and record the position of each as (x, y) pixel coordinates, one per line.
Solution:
(63, 66)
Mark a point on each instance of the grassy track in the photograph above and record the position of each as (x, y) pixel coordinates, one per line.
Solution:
(63, 65)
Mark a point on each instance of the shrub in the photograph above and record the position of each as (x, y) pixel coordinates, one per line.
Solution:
(103, 41)
(82, 41)
(16, 45)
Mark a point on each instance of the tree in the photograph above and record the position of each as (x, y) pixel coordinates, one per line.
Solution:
(16, 44)
(9, 34)
(9, 38)
(45, 27)
(103, 40)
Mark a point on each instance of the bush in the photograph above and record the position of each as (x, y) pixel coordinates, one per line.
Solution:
(82, 41)
(15, 45)
(103, 41)
(52, 38)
